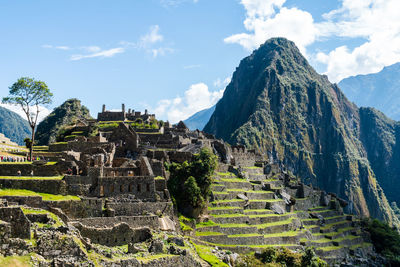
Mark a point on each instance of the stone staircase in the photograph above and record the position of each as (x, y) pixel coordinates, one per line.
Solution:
(241, 218)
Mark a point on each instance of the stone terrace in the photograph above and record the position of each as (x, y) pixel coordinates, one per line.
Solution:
(248, 214)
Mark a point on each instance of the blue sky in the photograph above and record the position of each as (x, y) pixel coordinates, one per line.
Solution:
(174, 57)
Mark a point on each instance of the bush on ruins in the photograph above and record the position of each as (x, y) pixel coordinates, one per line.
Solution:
(190, 182)
(386, 240)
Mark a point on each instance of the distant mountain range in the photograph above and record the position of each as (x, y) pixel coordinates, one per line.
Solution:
(199, 119)
(379, 90)
(279, 105)
(13, 126)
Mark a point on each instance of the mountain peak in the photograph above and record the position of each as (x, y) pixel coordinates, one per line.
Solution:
(279, 105)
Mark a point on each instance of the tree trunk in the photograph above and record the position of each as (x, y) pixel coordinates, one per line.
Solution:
(32, 141)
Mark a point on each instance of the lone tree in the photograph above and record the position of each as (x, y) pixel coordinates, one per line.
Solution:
(29, 94)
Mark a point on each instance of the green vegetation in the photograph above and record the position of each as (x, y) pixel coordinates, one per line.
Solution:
(283, 257)
(58, 123)
(32, 177)
(183, 221)
(57, 221)
(206, 254)
(16, 261)
(28, 94)
(190, 183)
(205, 224)
(46, 197)
(386, 240)
(208, 233)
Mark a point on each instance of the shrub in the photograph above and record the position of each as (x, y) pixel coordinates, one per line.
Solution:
(385, 239)
(309, 259)
(193, 192)
(190, 182)
(282, 257)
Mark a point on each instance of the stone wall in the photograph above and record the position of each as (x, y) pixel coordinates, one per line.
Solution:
(44, 186)
(143, 187)
(170, 260)
(26, 169)
(120, 234)
(20, 225)
(241, 156)
(132, 221)
(140, 208)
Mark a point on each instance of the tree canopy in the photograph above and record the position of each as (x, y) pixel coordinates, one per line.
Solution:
(29, 93)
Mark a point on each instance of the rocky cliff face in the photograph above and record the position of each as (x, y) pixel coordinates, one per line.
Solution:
(67, 113)
(278, 104)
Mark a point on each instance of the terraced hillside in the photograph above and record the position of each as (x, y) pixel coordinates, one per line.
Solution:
(274, 210)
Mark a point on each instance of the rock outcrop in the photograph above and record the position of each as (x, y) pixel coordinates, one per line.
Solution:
(69, 112)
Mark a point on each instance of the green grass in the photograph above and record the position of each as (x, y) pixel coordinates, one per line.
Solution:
(16, 261)
(227, 201)
(257, 210)
(233, 180)
(159, 178)
(208, 233)
(226, 174)
(45, 197)
(32, 177)
(250, 191)
(270, 215)
(322, 240)
(206, 254)
(229, 215)
(223, 208)
(205, 224)
(253, 167)
(183, 223)
(220, 193)
(341, 230)
(265, 200)
(250, 246)
(328, 226)
(245, 235)
(16, 163)
(58, 221)
(330, 248)
(265, 225)
(234, 225)
(349, 237)
(283, 234)
(26, 163)
(147, 259)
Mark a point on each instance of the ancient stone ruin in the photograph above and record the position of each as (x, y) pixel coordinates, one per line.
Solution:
(105, 186)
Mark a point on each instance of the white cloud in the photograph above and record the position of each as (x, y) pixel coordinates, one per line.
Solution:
(59, 47)
(266, 19)
(91, 49)
(161, 51)
(62, 47)
(219, 83)
(149, 40)
(152, 37)
(375, 21)
(104, 53)
(196, 98)
(174, 3)
(43, 111)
